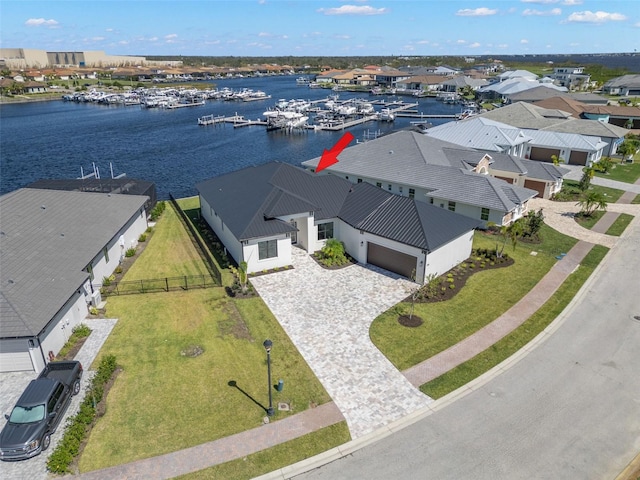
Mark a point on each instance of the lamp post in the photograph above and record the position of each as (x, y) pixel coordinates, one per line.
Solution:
(267, 346)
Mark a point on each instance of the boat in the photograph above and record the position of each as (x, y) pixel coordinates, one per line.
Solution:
(386, 115)
(303, 81)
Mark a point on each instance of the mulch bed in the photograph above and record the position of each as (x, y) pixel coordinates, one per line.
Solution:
(350, 261)
(411, 321)
(441, 290)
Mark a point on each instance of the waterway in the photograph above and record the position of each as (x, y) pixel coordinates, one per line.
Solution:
(56, 139)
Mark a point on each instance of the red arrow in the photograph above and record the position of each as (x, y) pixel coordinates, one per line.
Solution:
(329, 157)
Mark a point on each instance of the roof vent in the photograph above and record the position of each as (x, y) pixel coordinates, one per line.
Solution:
(390, 152)
(43, 207)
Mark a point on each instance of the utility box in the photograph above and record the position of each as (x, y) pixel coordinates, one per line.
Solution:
(96, 298)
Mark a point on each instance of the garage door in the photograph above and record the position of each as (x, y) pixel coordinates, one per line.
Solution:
(391, 260)
(578, 158)
(543, 154)
(14, 356)
(535, 185)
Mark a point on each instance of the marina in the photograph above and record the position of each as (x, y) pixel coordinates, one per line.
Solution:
(172, 149)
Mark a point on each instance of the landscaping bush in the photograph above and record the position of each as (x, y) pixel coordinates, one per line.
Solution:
(332, 254)
(130, 252)
(78, 426)
(158, 210)
(142, 237)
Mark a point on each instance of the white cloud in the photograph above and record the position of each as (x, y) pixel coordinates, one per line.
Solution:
(353, 10)
(342, 37)
(476, 12)
(97, 39)
(595, 17)
(524, 41)
(123, 42)
(109, 30)
(540, 2)
(541, 13)
(461, 42)
(154, 39)
(38, 22)
(474, 45)
(422, 42)
(503, 45)
(264, 34)
(171, 36)
(570, 3)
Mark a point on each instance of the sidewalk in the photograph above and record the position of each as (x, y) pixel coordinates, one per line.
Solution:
(558, 215)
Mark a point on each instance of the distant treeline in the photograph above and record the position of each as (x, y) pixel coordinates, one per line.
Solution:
(621, 63)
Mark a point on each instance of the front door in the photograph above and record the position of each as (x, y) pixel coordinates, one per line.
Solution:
(294, 234)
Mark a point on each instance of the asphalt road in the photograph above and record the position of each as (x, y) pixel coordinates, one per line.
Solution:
(570, 409)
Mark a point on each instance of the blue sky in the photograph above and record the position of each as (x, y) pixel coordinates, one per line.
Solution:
(320, 28)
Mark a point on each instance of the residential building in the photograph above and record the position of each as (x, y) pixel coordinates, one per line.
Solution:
(57, 246)
(573, 78)
(626, 85)
(261, 213)
(430, 170)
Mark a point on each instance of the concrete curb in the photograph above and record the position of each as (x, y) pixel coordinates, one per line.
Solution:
(353, 446)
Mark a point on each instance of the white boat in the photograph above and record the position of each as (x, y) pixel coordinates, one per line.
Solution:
(386, 115)
(302, 81)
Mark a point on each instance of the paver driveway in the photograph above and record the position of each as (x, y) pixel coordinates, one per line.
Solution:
(327, 314)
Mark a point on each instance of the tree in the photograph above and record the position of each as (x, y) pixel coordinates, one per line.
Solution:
(590, 202)
(533, 223)
(587, 176)
(242, 277)
(510, 232)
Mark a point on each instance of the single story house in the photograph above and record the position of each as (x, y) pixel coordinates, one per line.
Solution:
(625, 85)
(55, 246)
(430, 170)
(260, 213)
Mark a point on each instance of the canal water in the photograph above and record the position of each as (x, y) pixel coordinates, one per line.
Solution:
(56, 139)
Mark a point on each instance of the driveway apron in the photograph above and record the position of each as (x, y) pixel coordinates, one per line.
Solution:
(327, 314)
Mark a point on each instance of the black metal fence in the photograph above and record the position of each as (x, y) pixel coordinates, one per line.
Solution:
(199, 244)
(151, 285)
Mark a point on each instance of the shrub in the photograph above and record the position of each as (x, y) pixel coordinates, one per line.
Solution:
(82, 330)
(149, 230)
(93, 310)
(158, 210)
(142, 237)
(106, 281)
(118, 269)
(78, 426)
(130, 252)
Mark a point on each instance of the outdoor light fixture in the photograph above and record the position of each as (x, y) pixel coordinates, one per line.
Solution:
(267, 346)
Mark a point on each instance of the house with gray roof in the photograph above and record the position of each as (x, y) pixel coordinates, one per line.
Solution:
(625, 85)
(430, 170)
(55, 248)
(529, 116)
(260, 213)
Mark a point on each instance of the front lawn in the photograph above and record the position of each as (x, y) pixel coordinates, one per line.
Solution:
(623, 172)
(165, 399)
(571, 193)
(486, 296)
(514, 341)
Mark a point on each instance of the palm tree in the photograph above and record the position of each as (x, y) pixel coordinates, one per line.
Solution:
(587, 176)
(590, 202)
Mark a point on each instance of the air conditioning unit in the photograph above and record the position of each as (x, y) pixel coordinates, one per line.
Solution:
(96, 298)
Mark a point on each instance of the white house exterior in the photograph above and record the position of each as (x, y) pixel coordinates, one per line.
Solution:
(286, 206)
(80, 238)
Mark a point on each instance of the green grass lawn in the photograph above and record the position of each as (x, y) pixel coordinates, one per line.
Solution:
(276, 457)
(486, 296)
(517, 339)
(623, 172)
(610, 194)
(620, 225)
(164, 401)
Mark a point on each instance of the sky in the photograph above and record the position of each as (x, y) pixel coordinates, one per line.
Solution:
(322, 28)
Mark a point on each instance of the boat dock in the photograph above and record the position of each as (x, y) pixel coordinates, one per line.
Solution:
(399, 107)
(236, 120)
(415, 114)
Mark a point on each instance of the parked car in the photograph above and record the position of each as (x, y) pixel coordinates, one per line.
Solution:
(39, 410)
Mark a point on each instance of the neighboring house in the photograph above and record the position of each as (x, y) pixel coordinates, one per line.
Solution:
(626, 85)
(56, 246)
(573, 78)
(485, 134)
(260, 213)
(505, 89)
(390, 78)
(528, 116)
(433, 171)
(516, 74)
(461, 82)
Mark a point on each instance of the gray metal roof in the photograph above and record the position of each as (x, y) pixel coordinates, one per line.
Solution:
(480, 133)
(554, 139)
(47, 238)
(416, 160)
(593, 128)
(526, 115)
(248, 200)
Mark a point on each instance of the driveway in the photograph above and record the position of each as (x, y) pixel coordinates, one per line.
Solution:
(327, 315)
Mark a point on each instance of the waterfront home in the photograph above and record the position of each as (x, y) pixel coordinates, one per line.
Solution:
(625, 85)
(430, 170)
(57, 246)
(533, 117)
(260, 213)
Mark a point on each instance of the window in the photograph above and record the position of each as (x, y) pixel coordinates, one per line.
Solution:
(359, 180)
(267, 249)
(400, 189)
(106, 254)
(325, 231)
(484, 215)
(389, 187)
(90, 270)
(452, 206)
(378, 184)
(412, 193)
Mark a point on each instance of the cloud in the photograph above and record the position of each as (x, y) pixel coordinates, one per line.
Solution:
(474, 45)
(461, 42)
(97, 39)
(342, 37)
(570, 3)
(540, 2)
(524, 41)
(541, 13)
(476, 12)
(595, 17)
(38, 22)
(171, 36)
(353, 10)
